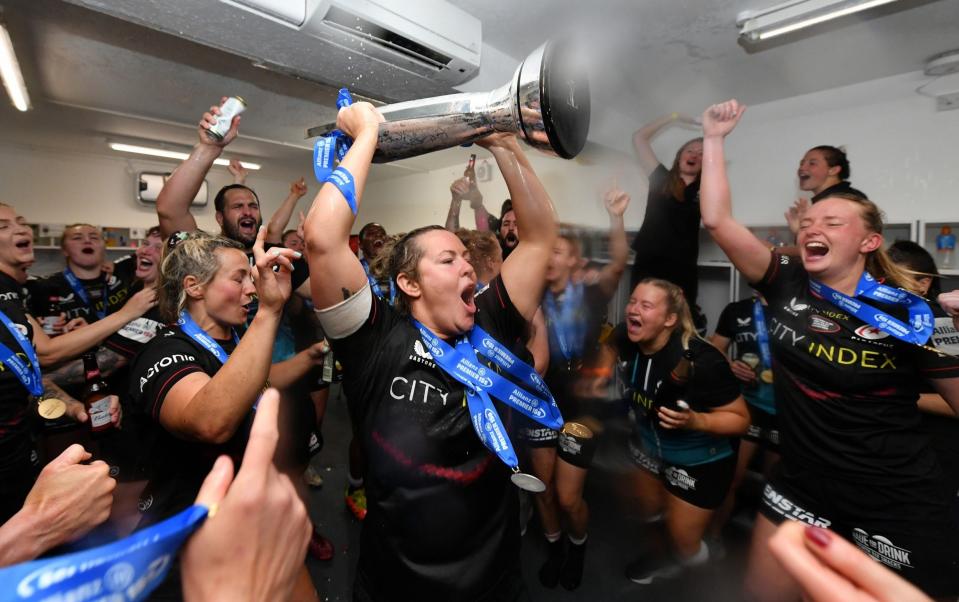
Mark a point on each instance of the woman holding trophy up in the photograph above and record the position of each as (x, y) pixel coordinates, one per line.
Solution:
(441, 520)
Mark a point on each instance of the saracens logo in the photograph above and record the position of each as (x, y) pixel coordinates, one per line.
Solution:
(883, 550)
(871, 333)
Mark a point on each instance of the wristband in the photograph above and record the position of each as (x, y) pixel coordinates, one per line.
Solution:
(343, 180)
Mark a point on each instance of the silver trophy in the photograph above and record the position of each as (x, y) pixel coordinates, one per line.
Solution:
(547, 103)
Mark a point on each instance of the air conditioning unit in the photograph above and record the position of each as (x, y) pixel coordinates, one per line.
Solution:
(390, 49)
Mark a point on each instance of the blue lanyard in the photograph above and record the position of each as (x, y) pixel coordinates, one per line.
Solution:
(462, 364)
(192, 330)
(920, 325)
(27, 372)
(81, 292)
(375, 286)
(335, 144)
(762, 335)
(127, 569)
(567, 324)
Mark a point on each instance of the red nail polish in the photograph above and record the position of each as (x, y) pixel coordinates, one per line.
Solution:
(818, 536)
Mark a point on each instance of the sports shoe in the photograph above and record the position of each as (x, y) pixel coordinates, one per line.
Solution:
(320, 547)
(312, 478)
(555, 558)
(356, 502)
(647, 570)
(572, 572)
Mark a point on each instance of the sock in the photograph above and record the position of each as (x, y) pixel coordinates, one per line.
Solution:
(555, 558)
(572, 573)
(700, 557)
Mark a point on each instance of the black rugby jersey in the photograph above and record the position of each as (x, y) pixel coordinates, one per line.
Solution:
(441, 522)
(667, 245)
(846, 391)
(736, 324)
(177, 466)
(55, 289)
(17, 452)
(711, 385)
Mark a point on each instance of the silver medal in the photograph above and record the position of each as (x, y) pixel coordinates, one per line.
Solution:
(527, 482)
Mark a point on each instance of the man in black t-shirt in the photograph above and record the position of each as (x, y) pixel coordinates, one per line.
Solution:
(83, 289)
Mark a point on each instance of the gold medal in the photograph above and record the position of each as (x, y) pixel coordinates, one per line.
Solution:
(766, 376)
(51, 408)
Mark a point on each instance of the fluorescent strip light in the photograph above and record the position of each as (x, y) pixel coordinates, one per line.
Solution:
(10, 72)
(770, 29)
(168, 154)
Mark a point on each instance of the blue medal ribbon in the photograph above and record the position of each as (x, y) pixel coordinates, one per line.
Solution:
(567, 324)
(917, 331)
(80, 291)
(762, 335)
(333, 148)
(128, 569)
(461, 363)
(375, 285)
(192, 330)
(27, 372)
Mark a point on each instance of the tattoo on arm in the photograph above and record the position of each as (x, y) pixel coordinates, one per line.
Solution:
(50, 389)
(71, 373)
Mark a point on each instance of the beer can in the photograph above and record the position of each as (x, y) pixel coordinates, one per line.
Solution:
(232, 107)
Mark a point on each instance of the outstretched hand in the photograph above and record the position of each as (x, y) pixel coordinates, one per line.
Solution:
(239, 172)
(209, 120)
(720, 119)
(616, 201)
(252, 547)
(273, 287)
(357, 118)
(795, 214)
(829, 568)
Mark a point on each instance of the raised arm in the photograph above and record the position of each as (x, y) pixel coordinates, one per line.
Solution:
(52, 351)
(173, 202)
(458, 190)
(642, 139)
(749, 254)
(330, 219)
(281, 217)
(524, 271)
(616, 202)
(209, 409)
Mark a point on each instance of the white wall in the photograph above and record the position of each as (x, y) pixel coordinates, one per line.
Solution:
(902, 153)
(60, 187)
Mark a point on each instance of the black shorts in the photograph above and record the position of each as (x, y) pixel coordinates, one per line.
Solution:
(528, 433)
(916, 540)
(578, 451)
(702, 485)
(763, 429)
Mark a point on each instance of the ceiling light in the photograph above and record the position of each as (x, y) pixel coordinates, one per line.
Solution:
(168, 154)
(10, 72)
(755, 26)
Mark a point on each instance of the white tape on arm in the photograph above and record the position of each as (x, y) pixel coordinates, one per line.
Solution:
(346, 317)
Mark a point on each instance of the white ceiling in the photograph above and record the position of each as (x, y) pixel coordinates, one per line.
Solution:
(93, 77)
